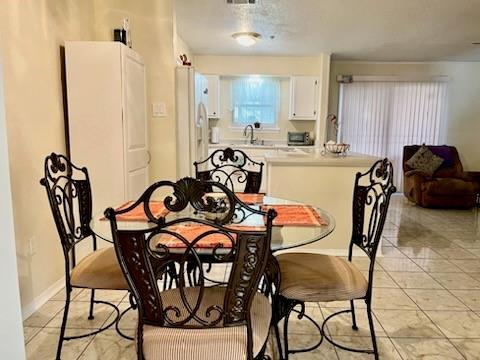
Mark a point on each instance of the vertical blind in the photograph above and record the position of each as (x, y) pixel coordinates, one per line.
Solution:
(380, 117)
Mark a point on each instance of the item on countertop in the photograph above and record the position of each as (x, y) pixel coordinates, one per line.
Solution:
(334, 121)
(425, 161)
(299, 138)
(295, 215)
(337, 148)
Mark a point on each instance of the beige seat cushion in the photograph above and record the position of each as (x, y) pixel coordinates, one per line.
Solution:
(314, 277)
(207, 343)
(99, 270)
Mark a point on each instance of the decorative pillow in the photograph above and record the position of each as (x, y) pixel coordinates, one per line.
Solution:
(445, 153)
(425, 161)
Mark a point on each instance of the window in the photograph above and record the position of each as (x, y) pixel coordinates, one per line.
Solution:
(255, 99)
(380, 117)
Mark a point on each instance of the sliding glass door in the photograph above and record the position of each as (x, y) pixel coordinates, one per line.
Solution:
(380, 117)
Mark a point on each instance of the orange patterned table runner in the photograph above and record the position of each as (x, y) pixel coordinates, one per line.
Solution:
(191, 232)
(250, 199)
(138, 213)
(296, 215)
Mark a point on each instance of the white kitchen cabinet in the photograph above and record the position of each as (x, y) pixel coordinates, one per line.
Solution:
(107, 119)
(213, 106)
(303, 98)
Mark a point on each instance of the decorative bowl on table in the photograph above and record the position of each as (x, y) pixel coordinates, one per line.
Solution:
(336, 148)
(219, 206)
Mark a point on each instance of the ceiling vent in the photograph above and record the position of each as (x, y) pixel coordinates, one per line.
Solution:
(241, 2)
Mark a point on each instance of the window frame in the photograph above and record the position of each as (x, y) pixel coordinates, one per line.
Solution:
(274, 127)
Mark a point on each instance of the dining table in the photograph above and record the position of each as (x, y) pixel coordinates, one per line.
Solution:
(289, 230)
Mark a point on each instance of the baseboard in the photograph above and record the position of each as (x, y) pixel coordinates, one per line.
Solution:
(41, 299)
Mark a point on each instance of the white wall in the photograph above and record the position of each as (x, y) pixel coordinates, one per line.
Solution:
(463, 124)
(275, 65)
(11, 328)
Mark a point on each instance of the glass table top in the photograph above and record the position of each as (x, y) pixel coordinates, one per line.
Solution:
(283, 237)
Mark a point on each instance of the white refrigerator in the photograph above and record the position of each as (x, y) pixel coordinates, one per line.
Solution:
(192, 119)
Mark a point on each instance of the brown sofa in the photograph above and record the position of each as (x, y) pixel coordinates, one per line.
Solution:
(448, 187)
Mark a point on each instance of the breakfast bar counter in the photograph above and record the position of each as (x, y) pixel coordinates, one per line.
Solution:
(322, 180)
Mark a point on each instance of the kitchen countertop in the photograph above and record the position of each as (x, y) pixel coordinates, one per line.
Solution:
(313, 157)
(268, 145)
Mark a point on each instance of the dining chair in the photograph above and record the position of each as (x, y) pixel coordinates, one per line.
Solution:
(229, 320)
(307, 277)
(69, 194)
(233, 168)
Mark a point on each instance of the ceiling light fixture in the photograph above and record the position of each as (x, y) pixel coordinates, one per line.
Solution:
(247, 38)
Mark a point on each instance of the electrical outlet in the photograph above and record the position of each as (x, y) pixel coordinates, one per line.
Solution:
(31, 246)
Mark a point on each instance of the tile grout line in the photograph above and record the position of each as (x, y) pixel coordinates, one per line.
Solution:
(438, 327)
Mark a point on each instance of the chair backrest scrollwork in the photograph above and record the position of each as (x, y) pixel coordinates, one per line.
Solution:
(70, 197)
(233, 168)
(371, 199)
(145, 256)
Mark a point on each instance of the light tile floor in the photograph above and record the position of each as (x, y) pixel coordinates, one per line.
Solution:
(426, 299)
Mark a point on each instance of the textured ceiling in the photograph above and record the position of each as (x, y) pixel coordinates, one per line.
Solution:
(381, 30)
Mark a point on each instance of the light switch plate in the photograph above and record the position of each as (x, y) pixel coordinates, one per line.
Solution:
(159, 109)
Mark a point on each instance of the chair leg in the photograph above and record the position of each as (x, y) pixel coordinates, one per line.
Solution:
(354, 320)
(92, 302)
(372, 331)
(285, 334)
(64, 323)
(279, 342)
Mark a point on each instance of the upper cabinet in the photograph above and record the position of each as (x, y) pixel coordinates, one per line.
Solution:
(303, 98)
(213, 106)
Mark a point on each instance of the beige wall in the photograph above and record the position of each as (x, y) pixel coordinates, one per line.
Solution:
(31, 33)
(266, 65)
(274, 65)
(284, 125)
(152, 28)
(463, 124)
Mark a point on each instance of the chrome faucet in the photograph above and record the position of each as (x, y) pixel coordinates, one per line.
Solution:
(252, 140)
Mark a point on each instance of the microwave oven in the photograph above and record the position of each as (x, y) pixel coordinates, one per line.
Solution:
(299, 138)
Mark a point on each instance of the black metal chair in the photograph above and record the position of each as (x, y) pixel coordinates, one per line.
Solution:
(203, 320)
(69, 194)
(307, 277)
(232, 168)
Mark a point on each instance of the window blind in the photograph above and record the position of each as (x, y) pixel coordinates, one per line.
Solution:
(380, 117)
